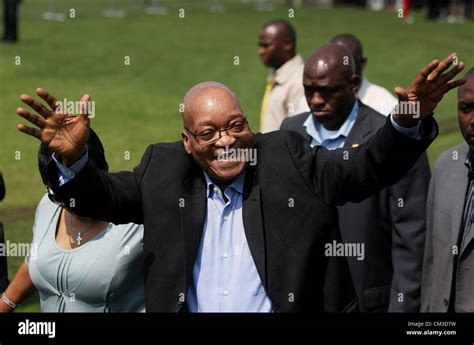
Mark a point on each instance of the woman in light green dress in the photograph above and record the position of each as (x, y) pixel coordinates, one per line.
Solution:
(80, 264)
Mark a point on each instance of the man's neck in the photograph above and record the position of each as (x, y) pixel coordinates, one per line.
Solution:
(286, 60)
(338, 125)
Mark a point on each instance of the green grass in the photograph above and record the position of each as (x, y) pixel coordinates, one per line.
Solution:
(138, 104)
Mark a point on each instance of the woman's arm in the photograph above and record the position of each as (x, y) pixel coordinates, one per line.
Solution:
(20, 288)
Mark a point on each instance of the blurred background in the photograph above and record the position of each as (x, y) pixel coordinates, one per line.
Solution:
(138, 58)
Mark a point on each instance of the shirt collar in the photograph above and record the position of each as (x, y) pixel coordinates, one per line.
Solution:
(320, 134)
(237, 185)
(470, 163)
(287, 70)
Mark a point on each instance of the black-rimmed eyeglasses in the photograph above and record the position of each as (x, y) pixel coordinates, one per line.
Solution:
(208, 137)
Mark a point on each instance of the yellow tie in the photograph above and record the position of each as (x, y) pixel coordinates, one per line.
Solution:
(266, 97)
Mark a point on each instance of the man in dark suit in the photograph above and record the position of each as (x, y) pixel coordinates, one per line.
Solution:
(448, 268)
(223, 234)
(390, 224)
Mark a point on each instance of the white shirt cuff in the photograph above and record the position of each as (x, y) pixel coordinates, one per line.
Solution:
(411, 132)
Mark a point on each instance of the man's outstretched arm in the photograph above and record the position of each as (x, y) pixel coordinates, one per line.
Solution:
(84, 190)
(353, 174)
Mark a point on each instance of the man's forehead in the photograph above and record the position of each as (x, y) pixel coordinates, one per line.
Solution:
(317, 67)
(209, 120)
(270, 30)
(323, 71)
(467, 90)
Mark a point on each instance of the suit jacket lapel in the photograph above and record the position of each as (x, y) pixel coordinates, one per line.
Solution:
(299, 128)
(458, 191)
(253, 224)
(361, 129)
(193, 214)
(303, 131)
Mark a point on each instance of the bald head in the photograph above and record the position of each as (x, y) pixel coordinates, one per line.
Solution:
(330, 59)
(353, 44)
(277, 43)
(469, 76)
(207, 97)
(330, 85)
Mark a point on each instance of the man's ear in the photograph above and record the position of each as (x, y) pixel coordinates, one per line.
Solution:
(186, 144)
(288, 45)
(355, 83)
(364, 63)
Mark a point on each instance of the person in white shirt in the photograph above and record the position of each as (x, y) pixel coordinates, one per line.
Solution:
(284, 94)
(374, 96)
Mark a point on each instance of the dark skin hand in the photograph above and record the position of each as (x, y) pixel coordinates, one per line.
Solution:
(428, 88)
(67, 134)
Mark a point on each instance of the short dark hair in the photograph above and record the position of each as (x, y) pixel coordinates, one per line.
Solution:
(285, 30)
(95, 151)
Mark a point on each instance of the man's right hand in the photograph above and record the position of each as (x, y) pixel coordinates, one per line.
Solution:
(65, 134)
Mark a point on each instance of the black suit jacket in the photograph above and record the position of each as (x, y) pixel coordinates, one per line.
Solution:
(391, 224)
(286, 243)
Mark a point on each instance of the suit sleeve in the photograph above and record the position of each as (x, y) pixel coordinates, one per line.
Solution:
(353, 174)
(407, 213)
(112, 197)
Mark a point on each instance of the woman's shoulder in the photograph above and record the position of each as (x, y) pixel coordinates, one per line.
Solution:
(45, 211)
(45, 205)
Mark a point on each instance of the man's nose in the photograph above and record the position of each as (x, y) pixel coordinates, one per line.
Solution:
(317, 100)
(225, 140)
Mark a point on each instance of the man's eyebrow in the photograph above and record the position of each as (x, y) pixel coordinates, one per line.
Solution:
(231, 118)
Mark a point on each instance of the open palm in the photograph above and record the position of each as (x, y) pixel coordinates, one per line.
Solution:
(65, 134)
(430, 85)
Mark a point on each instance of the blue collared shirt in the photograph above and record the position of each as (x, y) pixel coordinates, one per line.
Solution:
(225, 277)
(331, 140)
